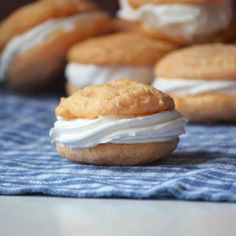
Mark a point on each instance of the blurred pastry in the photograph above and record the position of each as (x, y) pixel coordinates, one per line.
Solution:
(121, 25)
(106, 58)
(122, 122)
(202, 80)
(34, 40)
(181, 21)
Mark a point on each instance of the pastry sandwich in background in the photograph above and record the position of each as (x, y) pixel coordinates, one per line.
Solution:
(121, 55)
(35, 38)
(181, 21)
(202, 81)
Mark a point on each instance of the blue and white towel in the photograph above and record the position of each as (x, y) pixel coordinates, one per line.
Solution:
(202, 168)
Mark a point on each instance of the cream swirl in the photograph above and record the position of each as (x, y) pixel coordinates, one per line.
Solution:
(193, 87)
(82, 75)
(35, 36)
(86, 133)
(188, 20)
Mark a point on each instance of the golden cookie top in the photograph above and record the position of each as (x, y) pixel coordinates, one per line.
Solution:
(33, 14)
(117, 98)
(120, 49)
(208, 62)
(139, 3)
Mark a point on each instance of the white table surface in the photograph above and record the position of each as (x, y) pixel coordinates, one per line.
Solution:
(49, 216)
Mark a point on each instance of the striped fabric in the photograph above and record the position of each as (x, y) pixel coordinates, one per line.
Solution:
(203, 167)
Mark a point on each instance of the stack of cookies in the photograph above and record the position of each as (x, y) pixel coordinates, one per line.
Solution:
(120, 74)
(39, 39)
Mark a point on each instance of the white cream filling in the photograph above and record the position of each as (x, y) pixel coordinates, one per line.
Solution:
(85, 133)
(193, 87)
(35, 36)
(82, 75)
(188, 20)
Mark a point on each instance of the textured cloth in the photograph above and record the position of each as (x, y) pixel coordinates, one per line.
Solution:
(202, 168)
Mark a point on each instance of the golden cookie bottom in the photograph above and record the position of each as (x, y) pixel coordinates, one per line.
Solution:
(119, 154)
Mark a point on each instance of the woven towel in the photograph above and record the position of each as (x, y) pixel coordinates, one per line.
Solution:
(202, 168)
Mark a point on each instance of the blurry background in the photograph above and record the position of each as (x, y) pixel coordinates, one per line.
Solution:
(8, 6)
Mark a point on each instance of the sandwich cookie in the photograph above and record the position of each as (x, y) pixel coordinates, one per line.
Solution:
(122, 122)
(121, 55)
(202, 81)
(182, 21)
(33, 59)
